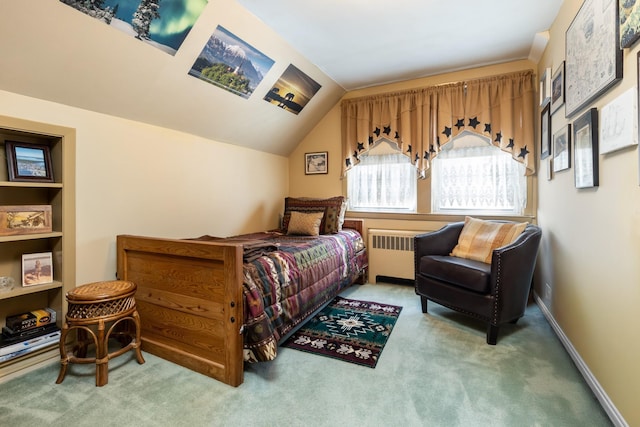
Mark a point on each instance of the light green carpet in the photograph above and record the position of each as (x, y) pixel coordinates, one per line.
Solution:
(436, 370)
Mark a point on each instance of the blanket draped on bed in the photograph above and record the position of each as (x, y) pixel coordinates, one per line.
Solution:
(287, 278)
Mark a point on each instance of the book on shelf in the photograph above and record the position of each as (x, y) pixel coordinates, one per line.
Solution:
(9, 337)
(30, 320)
(28, 346)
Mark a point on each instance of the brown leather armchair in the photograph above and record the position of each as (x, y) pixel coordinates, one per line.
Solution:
(496, 293)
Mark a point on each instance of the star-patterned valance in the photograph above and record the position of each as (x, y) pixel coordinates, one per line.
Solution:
(422, 121)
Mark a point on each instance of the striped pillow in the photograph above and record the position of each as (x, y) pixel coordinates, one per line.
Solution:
(479, 238)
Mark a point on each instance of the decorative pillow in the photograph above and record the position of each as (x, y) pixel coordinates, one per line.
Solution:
(333, 210)
(305, 224)
(479, 238)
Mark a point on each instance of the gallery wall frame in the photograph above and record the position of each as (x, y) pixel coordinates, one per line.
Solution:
(28, 162)
(545, 132)
(629, 13)
(562, 149)
(591, 68)
(585, 151)
(545, 87)
(557, 88)
(619, 123)
(316, 163)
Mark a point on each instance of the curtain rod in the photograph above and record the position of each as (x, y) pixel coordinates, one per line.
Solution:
(463, 82)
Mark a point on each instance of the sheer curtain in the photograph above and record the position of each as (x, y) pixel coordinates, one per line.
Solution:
(473, 175)
(382, 182)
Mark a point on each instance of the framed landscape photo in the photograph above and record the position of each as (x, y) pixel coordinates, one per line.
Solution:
(28, 162)
(545, 132)
(585, 152)
(316, 163)
(591, 68)
(562, 149)
(37, 269)
(557, 88)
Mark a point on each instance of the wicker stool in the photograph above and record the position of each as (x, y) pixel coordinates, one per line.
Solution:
(96, 305)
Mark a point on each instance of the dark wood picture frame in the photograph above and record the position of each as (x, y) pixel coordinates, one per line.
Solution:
(585, 149)
(591, 69)
(562, 149)
(28, 162)
(557, 88)
(545, 132)
(316, 163)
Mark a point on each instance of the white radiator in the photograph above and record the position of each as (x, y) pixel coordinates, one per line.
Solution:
(391, 254)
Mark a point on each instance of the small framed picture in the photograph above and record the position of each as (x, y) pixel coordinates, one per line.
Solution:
(16, 220)
(585, 149)
(316, 163)
(545, 87)
(545, 132)
(28, 162)
(562, 149)
(37, 269)
(557, 88)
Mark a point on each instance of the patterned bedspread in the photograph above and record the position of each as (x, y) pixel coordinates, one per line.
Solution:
(286, 278)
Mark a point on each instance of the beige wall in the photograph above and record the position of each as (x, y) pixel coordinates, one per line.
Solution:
(591, 249)
(140, 179)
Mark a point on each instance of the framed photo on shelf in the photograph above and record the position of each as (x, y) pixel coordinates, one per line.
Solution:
(28, 162)
(619, 123)
(316, 163)
(591, 68)
(37, 269)
(557, 88)
(545, 87)
(562, 149)
(585, 152)
(16, 220)
(545, 132)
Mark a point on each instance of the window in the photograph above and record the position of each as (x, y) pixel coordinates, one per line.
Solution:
(383, 181)
(470, 175)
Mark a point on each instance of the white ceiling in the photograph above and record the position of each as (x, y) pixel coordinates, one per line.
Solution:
(361, 43)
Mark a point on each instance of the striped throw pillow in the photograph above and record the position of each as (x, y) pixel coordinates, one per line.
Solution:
(479, 238)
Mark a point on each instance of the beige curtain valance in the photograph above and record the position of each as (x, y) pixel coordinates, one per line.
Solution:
(421, 122)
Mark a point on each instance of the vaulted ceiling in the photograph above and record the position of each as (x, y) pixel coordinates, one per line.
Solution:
(51, 51)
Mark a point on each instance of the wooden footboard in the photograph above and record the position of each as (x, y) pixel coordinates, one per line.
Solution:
(190, 299)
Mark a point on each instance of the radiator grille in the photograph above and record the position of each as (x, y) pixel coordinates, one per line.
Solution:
(394, 243)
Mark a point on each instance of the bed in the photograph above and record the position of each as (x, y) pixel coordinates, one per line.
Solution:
(211, 304)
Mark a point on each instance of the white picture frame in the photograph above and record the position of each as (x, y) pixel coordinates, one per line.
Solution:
(545, 87)
(37, 269)
(619, 123)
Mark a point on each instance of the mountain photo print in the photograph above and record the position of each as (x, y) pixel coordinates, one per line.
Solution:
(230, 63)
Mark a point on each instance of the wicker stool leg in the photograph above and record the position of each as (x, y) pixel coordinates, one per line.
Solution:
(102, 358)
(138, 344)
(64, 357)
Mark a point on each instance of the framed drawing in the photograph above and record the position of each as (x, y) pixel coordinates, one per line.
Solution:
(619, 123)
(545, 87)
(629, 12)
(28, 162)
(557, 88)
(562, 149)
(17, 220)
(545, 132)
(316, 163)
(593, 56)
(37, 269)
(585, 152)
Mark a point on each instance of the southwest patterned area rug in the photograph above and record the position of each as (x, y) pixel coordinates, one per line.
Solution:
(350, 330)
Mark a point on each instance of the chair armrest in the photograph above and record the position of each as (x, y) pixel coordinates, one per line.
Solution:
(439, 242)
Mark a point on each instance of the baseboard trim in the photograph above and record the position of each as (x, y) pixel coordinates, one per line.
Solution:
(611, 410)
